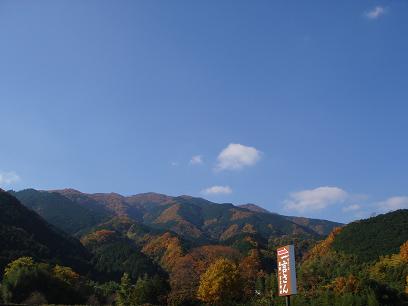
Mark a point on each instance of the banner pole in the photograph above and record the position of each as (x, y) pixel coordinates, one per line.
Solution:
(288, 300)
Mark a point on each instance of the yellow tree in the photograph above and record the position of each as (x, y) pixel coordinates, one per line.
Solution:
(404, 251)
(186, 272)
(66, 274)
(22, 262)
(220, 284)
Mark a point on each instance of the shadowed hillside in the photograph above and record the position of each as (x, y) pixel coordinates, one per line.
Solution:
(24, 233)
(70, 215)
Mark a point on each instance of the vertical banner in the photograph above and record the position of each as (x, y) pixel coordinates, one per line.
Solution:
(286, 270)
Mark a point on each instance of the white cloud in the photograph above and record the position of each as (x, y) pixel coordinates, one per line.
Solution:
(352, 207)
(236, 156)
(376, 12)
(216, 190)
(174, 164)
(315, 199)
(8, 178)
(394, 203)
(196, 160)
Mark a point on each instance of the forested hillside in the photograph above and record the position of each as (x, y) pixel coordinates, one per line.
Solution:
(24, 233)
(374, 237)
(153, 249)
(363, 263)
(70, 216)
(322, 227)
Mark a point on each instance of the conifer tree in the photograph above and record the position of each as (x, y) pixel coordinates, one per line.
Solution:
(125, 293)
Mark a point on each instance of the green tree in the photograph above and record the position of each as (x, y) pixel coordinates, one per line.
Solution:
(104, 293)
(35, 298)
(26, 280)
(125, 293)
(151, 290)
(390, 270)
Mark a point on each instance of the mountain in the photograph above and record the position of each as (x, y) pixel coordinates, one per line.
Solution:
(322, 227)
(195, 218)
(172, 242)
(192, 218)
(370, 238)
(362, 263)
(72, 216)
(24, 233)
(254, 208)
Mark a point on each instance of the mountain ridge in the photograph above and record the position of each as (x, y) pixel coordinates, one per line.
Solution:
(190, 217)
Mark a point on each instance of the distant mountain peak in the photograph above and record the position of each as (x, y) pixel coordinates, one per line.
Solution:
(255, 208)
(149, 197)
(66, 191)
(109, 194)
(185, 196)
(150, 193)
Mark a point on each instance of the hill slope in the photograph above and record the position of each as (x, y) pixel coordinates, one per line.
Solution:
(322, 227)
(72, 216)
(378, 236)
(24, 233)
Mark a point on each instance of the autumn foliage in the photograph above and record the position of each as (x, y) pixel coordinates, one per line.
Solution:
(166, 249)
(404, 251)
(342, 285)
(325, 245)
(220, 284)
(250, 269)
(185, 274)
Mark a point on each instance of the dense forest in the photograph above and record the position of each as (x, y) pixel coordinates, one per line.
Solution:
(67, 247)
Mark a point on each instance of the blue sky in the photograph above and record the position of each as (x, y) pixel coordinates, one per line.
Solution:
(298, 106)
